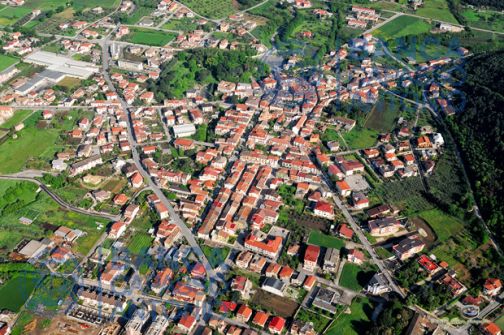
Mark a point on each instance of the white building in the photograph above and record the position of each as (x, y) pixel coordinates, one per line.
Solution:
(184, 130)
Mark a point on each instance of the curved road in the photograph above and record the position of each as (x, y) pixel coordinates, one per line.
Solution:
(61, 202)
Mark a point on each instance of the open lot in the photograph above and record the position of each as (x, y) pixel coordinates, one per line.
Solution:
(216, 256)
(149, 37)
(355, 322)
(280, 306)
(356, 277)
(140, 243)
(326, 241)
(360, 137)
(17, 290)
(383, 115)
(402, 26)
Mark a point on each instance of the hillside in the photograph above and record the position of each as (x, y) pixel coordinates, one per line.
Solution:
(479, 130)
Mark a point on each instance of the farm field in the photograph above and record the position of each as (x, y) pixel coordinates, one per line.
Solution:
(51, 290)
(149, 37)
(184, 24)
(70, 83)
(402, 26)
(7, 61)
(326, 241)
(437, 10)
(108, 4)
(16, 291)
(383, 115)
(444, 225)
(10, 15)
(352, 324)
(427, 51)
(137, 15)
(355, 277)
(214, 9)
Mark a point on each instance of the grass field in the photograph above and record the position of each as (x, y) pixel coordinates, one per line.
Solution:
(70, 83)
(216, 256)
(215, 9)
(444, 225)
(16, 291)
(31, 143)
(437, 10)
(184, 24)
(81, 4)
(383, 115)
(360, 137)
(149, 37)
(355, 277)
(319, 320)
(500, 322)
(50, 291)
(140, 243)
(355, 322)
(7, 61)
(326, 241)
(18, 116)
(484, 19)
(402, 26)
(10, 15)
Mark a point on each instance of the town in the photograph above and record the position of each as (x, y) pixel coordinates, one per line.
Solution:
(264, 167)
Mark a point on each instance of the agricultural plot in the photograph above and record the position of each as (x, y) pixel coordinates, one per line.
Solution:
(326, 241)
(360, 137)
(214, 9)
(402, 26)
(17, 290)
(484, 19)
(437, 10)
(10, 15)
(149, 37)
(277, 305)
(184, 24)
(383, 115)
(18, 116)
(51, 290)
(140, 243)
(353, 323)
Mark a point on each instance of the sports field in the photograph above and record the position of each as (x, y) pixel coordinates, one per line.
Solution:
(149, 37)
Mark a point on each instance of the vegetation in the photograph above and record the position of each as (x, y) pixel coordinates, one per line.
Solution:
(319, 321)
(402, 26)
(497, 4)
(326, 241)
(17, 290)
(211, 8)
(204, 66)
(478, 131)
(394, 319)
(409, 274)
(431, 296)
(149, 37)
(7, 61)
(140, 243)
(354, 322)
(356, 277)
(216, 256)
(445, 226)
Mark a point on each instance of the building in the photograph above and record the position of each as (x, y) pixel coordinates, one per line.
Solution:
(85, 165)
(378, 284)
(331, 260)
(311, 256)
(408, 247)
(492, 286)
(130, 65)
(137, 322)
(62, 64)
(273, 285)
(184, 130)
(325, 299)
(269, 246)
(158, 326)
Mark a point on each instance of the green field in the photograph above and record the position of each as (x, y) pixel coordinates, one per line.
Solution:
(484, 19)
(81, 4)
(216, 256)
(50, 291)
(319, 321)
(10, 15)
(140, 243)
(500, 322)
(184, 24)
(16, 291)
(42, 208)
(444, 225)
(383, 115)
(31, 144)
(76, 4)
(149, 37)
(402, 26)
(214, 9)
(18, 116)
(7, 61)
(355, 277)
(326, 241)
(355, 322)
(360, 137)
(437, 10)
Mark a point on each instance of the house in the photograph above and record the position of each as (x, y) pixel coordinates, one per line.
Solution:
(276, 325)
(384, 226)
(117, 229)
(268, 246)
(324, 209)
(244, 313)
(273, 285)
(490, 328)
(187, 323)
(408, 247)
(260, 319)
(356, 256)
(331, 260)
(492, 286)
(161, 280)
(345, 231)
(378, 285)
(311, 256)
(343, 188)
(136, 180)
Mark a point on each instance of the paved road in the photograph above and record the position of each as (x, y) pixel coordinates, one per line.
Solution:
(61, 202)
(188, 234)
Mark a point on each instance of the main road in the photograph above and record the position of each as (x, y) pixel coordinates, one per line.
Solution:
(188, 234)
